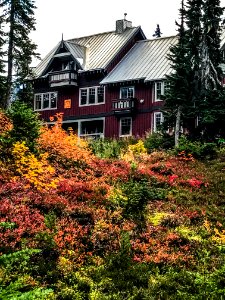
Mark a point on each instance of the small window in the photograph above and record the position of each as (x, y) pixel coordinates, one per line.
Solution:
(83, 97)
(125, 127)
(45, 101)
(126, 92)
(157, 121)
(100, 94)
(160, 89)
(92, 95)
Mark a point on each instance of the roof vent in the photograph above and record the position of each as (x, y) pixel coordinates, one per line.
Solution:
(122, 25)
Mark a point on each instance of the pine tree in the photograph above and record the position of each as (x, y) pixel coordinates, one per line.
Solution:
(212, 104)
(19, 16)
(195, 89)
(177, 98)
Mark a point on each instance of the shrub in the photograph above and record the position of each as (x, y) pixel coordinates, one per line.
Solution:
(158, 141)
(26, 125)
(196, 149)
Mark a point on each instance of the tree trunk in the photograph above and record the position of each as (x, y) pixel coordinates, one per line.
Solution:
(177, 126)
(10, 56)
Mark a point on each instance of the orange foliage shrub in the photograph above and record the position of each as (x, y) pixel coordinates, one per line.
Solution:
(63, 146)
(5, 124)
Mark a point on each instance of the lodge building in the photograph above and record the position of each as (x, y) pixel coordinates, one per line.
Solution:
(106, 85)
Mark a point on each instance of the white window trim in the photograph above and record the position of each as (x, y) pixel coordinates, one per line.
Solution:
(96, 91)
(154, 129)
(102, 134)
(120, 129)
(42, 95)
(128, 87)
(155, 90)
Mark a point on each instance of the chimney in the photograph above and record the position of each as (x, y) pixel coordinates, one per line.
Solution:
(86, 61)
(122, 25)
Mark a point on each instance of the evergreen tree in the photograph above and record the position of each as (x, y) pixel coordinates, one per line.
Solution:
(212, 103)
(195, 89)
(19, 16)
(178, 95)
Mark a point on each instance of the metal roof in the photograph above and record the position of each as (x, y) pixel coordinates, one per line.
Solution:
(101, 49)
(147, 60)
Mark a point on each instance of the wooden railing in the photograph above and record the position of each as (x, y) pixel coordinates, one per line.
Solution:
(124, 105)
(61, 78)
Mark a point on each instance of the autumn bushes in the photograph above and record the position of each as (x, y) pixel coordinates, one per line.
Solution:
(120, 224)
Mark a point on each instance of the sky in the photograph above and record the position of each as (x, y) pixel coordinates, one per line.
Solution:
(85, 17)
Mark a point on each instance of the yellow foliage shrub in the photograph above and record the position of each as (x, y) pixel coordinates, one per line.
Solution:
(37, 171)
(134, 151)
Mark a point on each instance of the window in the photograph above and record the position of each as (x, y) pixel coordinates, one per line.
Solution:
(93, 128)
(125, 126)
(92, 95)
(45, 101)
(127, 92)
(160, 89)
(157, 121)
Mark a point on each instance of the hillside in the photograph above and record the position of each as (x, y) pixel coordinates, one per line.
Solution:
(77, 225)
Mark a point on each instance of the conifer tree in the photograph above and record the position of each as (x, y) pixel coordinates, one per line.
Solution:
(19, 16)
(212, 102)
(177, 98)
(195, 88)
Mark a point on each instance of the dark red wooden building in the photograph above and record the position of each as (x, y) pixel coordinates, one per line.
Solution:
(107, 85)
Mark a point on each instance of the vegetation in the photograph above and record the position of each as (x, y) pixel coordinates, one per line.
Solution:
(16, 22)
(195, 97)
(125, 223)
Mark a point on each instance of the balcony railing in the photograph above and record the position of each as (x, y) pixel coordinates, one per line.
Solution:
(125, 105)
(63, 78)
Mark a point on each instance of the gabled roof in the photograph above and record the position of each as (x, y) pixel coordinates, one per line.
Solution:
(100, 48)
(146, 60)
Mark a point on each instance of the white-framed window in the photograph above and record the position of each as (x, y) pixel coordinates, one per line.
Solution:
(45, 101)
(160, 88)
(157, 121)
(126, 92)
(126, 126)
(92, 95)
(91, 128)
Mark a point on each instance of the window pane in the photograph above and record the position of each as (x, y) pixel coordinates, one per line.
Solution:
(45, 101)
(83, 95)
(130, 92)
(53, 100)
(158, 90)
(92, 127)
(37, 102)
(126, 126)
(123, 92)
(91, 95)
(158, 119)
(100, 91)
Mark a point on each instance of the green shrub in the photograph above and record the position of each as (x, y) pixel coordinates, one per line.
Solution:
(158, 141)
(196, 149)
(107, 148)
(26, 125)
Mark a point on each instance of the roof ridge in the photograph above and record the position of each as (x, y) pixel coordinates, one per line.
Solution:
(156, 39)
(101, 33)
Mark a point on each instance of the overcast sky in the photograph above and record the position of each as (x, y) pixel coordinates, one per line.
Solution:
(84, 17)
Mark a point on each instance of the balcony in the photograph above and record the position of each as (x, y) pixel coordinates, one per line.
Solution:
(124, 106)
(63, 78)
